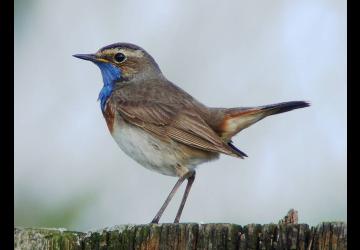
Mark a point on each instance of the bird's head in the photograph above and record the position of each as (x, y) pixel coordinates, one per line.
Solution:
(119, 63)
(123, 62)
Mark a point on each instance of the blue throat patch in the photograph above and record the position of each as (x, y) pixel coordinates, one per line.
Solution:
(110, 74)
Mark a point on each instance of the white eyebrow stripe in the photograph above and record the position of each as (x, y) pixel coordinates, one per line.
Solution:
(130, 53)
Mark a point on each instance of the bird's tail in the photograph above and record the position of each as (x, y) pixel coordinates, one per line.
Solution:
(236, 119)
(282, 107)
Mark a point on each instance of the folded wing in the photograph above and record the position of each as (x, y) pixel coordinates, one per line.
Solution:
(174, 122)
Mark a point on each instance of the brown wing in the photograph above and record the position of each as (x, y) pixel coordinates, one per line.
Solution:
(174, 122)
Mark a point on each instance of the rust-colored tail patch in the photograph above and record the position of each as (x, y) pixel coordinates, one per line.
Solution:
(237, 119)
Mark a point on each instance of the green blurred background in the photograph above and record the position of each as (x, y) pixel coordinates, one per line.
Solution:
(70, 173)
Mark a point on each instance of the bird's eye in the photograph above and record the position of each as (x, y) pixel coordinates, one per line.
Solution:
(119, 57)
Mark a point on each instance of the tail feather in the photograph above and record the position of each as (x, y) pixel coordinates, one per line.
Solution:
(236, 119)
(240, 153)
(284, 107)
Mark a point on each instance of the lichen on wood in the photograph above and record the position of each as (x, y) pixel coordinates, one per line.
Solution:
(327, 235)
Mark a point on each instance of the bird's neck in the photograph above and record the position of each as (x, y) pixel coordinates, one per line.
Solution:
(110, 75)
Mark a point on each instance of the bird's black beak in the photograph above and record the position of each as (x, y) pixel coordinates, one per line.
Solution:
(88, 57)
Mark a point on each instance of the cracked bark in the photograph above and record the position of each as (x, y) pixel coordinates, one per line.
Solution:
(327, 235)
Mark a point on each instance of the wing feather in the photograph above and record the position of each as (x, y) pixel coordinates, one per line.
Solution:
(174, 122)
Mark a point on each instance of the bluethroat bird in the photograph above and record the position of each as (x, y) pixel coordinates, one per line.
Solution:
(161, 126)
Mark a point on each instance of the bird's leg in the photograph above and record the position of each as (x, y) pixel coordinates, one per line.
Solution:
(168, 199)
(191, 179)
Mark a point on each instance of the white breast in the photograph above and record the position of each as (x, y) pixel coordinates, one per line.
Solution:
(146, 149)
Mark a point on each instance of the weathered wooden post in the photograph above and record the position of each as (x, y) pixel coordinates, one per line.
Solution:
(287, 234)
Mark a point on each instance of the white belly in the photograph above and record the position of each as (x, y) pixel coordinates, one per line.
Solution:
(146, 149)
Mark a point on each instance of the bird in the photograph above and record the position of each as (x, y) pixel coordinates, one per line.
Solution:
(160, 125)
